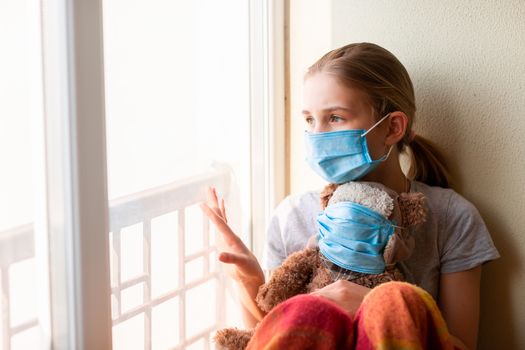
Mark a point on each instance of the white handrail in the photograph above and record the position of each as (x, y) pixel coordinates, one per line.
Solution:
(17, 244)
(142, 208)
(132, 209)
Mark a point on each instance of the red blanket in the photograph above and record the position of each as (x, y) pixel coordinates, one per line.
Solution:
(394, 315)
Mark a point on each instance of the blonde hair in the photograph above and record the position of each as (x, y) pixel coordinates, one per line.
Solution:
(380, 75)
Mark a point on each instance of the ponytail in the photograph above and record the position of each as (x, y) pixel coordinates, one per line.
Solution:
(428, 164)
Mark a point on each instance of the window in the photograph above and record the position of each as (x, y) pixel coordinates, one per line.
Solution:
(24, 308)
(185, 89)
(108, 240)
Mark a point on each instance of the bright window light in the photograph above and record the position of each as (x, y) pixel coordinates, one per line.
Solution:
(177, 80)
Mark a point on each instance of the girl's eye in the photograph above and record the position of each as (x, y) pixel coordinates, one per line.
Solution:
(335, 118)
(309, 120)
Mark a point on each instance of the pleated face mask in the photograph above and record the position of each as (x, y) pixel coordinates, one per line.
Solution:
(341, 156)
(354, 237)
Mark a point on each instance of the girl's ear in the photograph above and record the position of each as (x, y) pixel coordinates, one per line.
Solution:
(326, 194)
(413, 208)
(398, 123)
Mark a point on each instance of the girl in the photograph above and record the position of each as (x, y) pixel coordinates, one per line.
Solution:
(360, 96)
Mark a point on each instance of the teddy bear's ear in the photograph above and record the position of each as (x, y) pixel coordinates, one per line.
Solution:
(413, 208)
(326, 194)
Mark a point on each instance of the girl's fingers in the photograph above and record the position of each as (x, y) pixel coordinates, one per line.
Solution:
(240, 260)
(229, 236)
(247, 268)
(223, 211)
(213, 201)
(211, 198)
(230, 258)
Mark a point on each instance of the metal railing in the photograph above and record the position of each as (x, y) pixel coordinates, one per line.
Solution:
(16, 245)
(141, 208)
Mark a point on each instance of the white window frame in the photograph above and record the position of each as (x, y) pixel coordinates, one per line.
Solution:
(267, 106)
(77, 205)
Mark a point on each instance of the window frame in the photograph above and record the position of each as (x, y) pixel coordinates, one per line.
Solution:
(75, 152)
(267, 106)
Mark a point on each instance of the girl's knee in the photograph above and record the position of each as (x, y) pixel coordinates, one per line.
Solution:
(400, 311)
(396, 288)
(395, 295)
(304, 322)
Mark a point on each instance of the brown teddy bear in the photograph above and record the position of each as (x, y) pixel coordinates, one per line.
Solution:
(308, 270)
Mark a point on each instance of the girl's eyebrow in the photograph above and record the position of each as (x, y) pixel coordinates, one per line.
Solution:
(331, 109)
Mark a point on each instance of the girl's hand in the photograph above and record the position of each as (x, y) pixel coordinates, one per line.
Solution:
(242, 264)
(346, 294)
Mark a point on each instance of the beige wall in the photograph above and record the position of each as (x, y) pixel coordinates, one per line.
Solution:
(466, 60)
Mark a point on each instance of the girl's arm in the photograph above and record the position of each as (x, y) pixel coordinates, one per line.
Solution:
(251, 313)
(241, 264)
(459, 303)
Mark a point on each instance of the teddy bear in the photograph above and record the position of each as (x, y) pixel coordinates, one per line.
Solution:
(309, 269)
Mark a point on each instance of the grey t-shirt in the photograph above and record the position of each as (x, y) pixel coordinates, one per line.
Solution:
(454, 237)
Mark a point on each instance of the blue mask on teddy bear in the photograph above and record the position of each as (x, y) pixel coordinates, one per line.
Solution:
(354, 237)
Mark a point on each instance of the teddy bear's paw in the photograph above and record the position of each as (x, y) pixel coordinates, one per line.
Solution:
(232, 338)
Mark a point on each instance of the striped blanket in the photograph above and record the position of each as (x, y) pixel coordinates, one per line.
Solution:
(394, 315)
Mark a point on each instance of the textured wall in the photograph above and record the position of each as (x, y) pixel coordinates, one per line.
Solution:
(466, 60)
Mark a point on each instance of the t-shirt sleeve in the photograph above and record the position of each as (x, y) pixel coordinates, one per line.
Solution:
(293, 222)
(467, 241)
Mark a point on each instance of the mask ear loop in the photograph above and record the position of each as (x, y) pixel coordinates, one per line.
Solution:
(385, 157)
(388, 153)
(376, 124)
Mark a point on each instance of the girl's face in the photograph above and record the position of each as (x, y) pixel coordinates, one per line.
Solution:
(329, 105)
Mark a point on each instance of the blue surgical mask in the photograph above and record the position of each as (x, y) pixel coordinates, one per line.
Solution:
(341, 156)
(354, 237)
